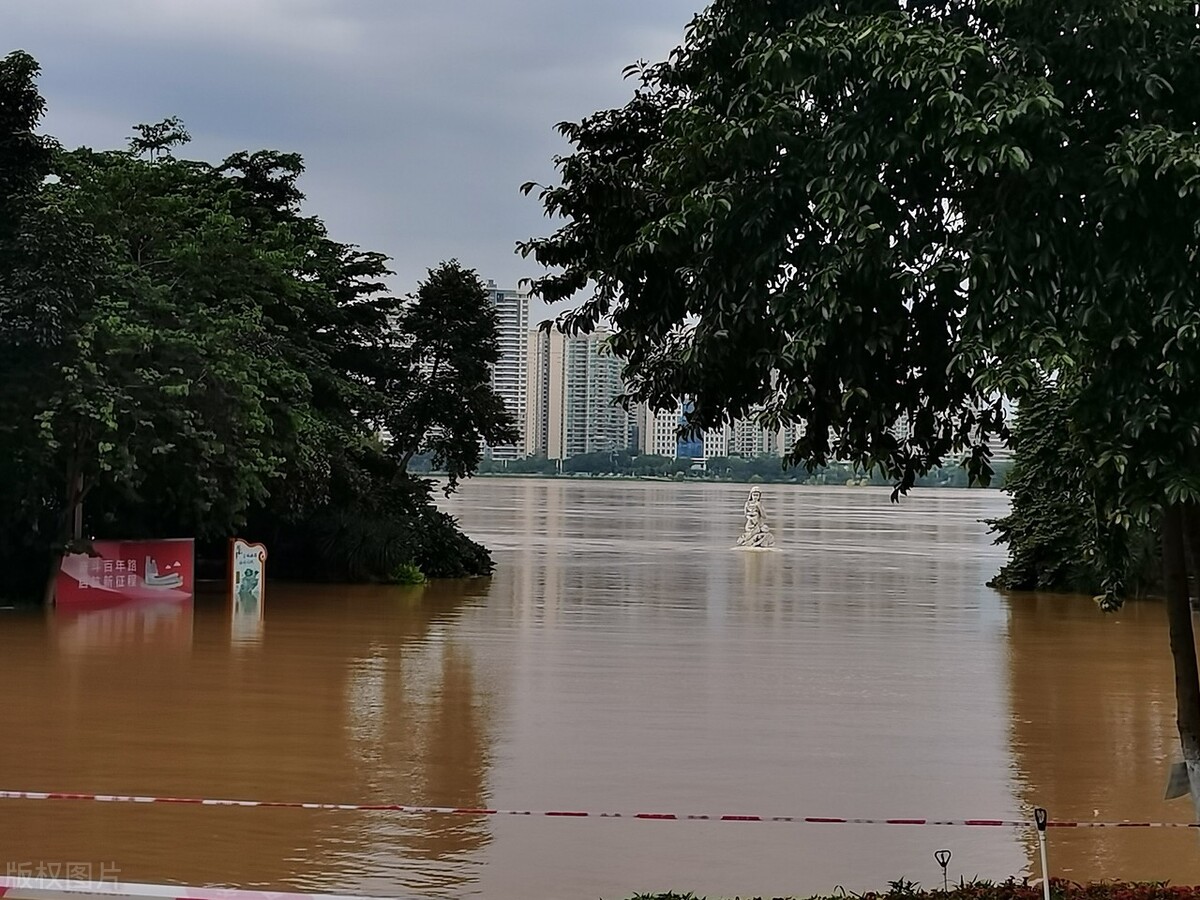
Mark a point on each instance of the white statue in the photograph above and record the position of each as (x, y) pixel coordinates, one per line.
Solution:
(757, 535)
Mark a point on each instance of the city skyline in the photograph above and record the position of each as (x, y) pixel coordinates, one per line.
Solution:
(560, 390)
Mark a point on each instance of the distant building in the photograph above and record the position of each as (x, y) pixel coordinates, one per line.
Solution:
(573, 383)
(560, 390)
(510, 374)
(659, 434)
(659, 431)
(547, 383)
(716, 443)
(789, 436)
(746, 437)
(749, 438)
(592, 421)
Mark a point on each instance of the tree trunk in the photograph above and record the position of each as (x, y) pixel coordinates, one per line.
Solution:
(48, 593)
(1183, 644)
(77, 516)
(70, 529)
(1191, 526)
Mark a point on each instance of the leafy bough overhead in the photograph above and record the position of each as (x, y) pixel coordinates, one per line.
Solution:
(787, 228)
(852, 214)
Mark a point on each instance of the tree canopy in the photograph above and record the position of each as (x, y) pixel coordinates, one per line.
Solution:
(445, 407)
(184, 351)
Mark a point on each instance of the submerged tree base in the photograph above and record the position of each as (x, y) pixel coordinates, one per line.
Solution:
(374, 540)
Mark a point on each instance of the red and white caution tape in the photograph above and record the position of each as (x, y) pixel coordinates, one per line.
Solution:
(573, 814)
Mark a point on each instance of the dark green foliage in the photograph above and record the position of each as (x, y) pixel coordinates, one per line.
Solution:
(183, 352)
(407, 574)
(768, 234)
(445, 552)
(443, 405)
(1051, 531)
(158, 139)
(367, 535)
(24, 155)
(1048, 532)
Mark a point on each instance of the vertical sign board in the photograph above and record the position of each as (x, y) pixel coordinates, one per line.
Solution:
(119, 572)
(247, 584)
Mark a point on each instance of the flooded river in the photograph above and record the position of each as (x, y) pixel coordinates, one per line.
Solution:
(623, 658)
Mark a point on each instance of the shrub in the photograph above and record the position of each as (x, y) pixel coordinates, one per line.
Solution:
(407, 573)
(374, 538)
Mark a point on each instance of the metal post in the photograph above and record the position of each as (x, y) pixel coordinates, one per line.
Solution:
(943, 860)
(1039, 816)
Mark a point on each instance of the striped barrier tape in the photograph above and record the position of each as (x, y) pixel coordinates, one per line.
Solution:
(652, 816)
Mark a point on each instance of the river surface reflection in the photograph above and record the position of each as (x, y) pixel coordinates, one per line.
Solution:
(623, 657)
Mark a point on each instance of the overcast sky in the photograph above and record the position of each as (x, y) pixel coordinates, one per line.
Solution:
(418, 119)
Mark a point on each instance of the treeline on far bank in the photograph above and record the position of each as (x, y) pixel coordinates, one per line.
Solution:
(185, 352)
(741, 470)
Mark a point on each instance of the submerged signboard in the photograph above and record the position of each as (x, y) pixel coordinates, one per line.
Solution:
(118, 572)
(247, 584)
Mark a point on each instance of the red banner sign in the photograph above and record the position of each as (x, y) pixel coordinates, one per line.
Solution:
(125, 571)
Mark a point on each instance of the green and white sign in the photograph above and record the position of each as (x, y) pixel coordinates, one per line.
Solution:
(248, 578)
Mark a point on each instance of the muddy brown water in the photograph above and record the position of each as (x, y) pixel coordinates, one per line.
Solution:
(623, 658)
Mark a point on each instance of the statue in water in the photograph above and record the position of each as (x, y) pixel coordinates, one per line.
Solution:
(757, 535)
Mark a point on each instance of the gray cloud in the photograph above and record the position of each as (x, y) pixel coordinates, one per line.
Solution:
(418, 119)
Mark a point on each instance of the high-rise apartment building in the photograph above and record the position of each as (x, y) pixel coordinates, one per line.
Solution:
(592, 422)
(716, 443)
(747, 438)
(573, 383)
(789, 436)
(547, 404)
(510, 374)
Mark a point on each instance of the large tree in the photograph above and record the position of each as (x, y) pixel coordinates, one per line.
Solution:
(849, 212)
(445, 405)
(163, 396)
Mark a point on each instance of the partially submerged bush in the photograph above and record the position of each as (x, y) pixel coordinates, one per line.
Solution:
(371, 538)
